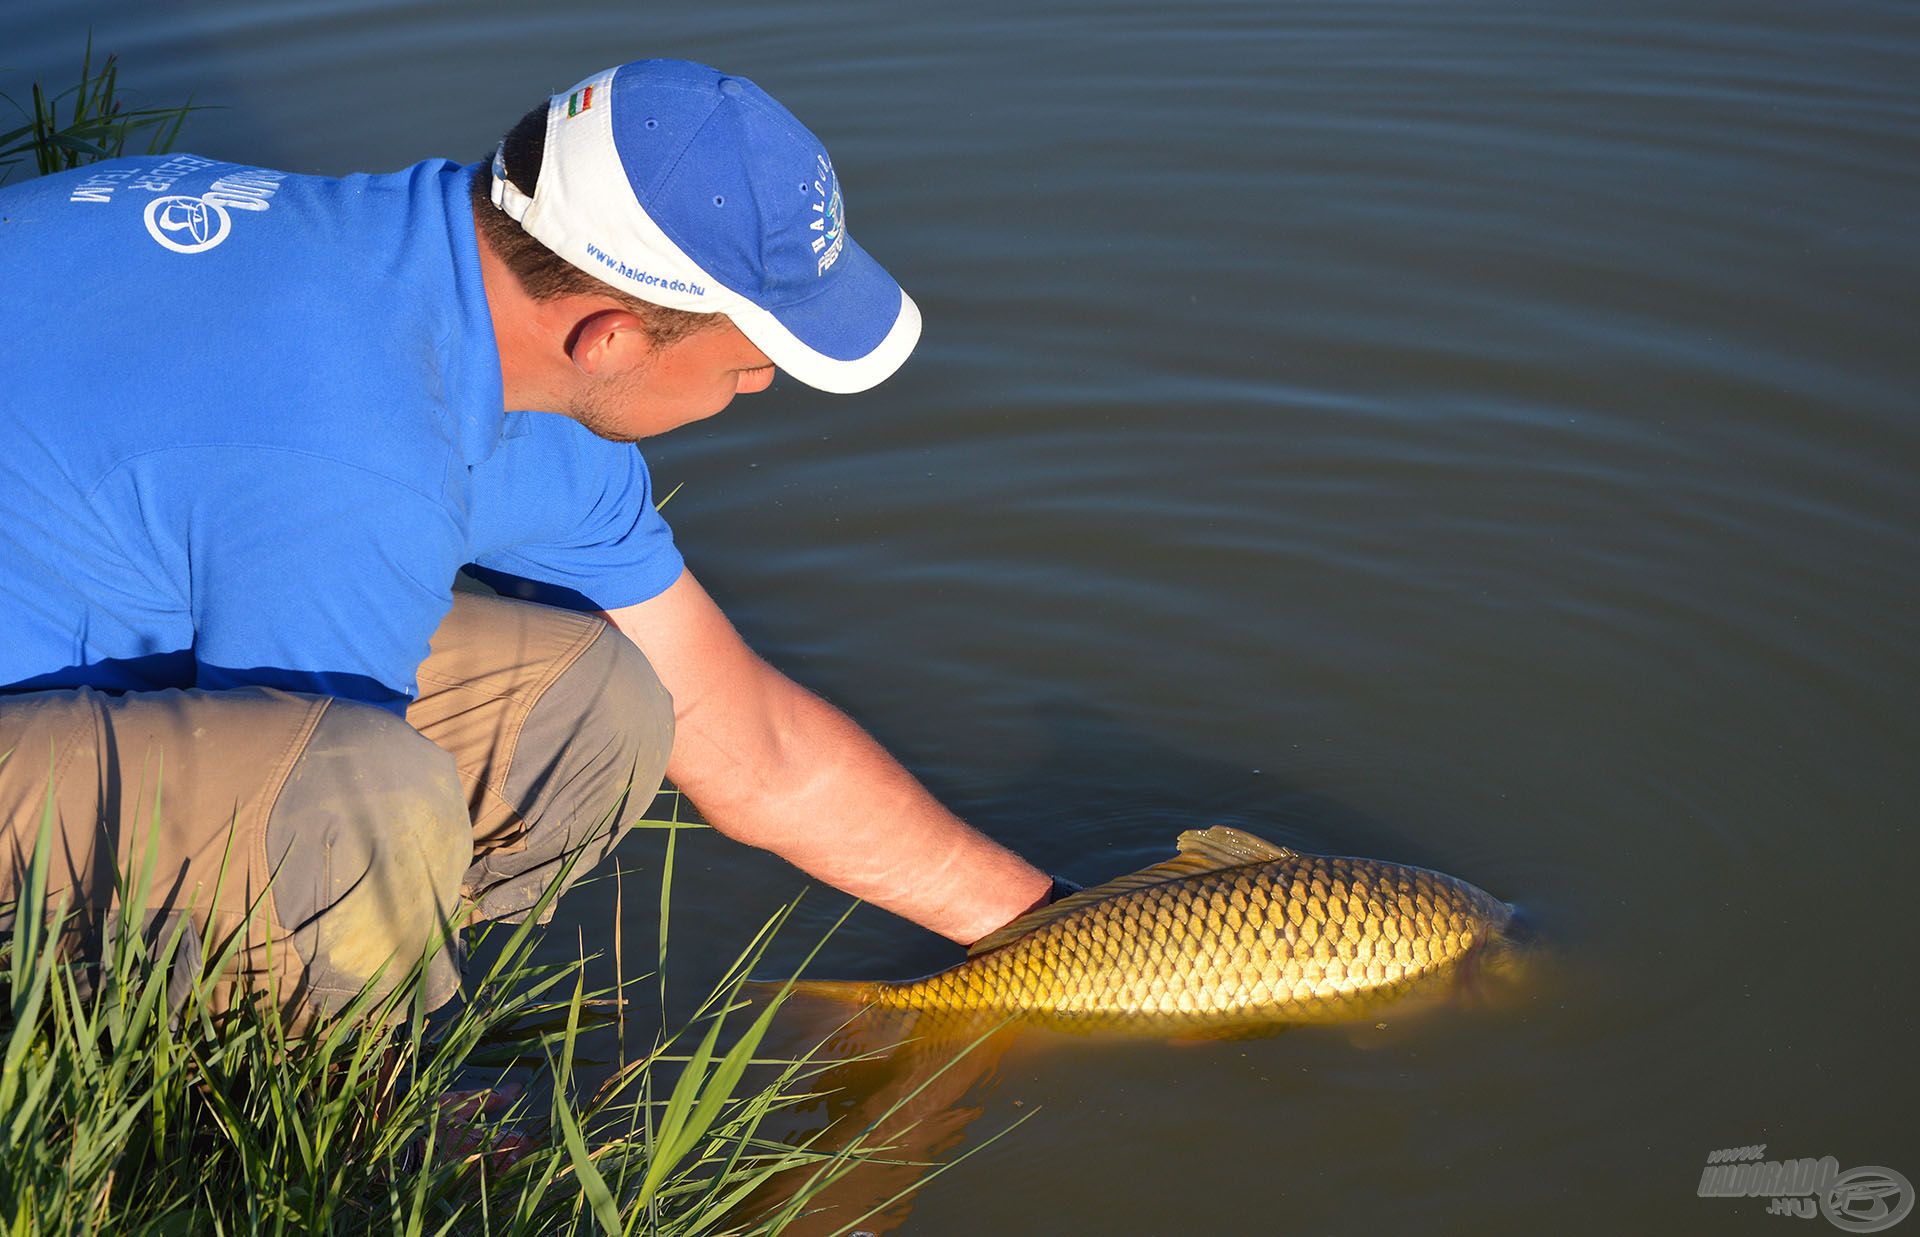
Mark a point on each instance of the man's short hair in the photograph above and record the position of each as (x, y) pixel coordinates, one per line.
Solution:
(543, 273)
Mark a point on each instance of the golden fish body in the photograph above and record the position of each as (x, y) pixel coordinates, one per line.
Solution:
(1233, 933)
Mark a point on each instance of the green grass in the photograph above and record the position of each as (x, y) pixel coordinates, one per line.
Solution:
(128, 1108)
(86, 122)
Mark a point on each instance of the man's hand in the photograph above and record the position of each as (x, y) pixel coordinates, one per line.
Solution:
(771, 764)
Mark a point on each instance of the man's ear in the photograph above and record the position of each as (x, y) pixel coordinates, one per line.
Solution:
(609, 342)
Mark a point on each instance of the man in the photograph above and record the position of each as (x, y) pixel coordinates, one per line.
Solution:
(254, 424)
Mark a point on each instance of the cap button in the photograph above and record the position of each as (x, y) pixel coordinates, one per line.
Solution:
(729, 87)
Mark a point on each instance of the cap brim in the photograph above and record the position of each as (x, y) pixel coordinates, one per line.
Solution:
(850, 336)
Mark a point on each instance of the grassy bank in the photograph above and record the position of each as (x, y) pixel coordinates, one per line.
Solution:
(129, 1105)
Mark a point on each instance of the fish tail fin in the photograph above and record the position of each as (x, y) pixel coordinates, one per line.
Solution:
(850, 991)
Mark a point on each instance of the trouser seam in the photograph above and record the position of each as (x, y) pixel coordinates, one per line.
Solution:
(282, 774)
(525, 699)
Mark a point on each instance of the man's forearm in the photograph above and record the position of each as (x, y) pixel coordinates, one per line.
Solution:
(773, 765)
(836, 805)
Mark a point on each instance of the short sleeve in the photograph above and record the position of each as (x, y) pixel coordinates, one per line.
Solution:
(560, 516)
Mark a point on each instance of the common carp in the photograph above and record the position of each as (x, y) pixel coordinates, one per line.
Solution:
(1231, 935)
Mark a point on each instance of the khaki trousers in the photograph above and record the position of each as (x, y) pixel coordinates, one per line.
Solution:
(352, 843)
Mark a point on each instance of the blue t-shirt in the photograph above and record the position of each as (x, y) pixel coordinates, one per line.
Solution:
(251, 426)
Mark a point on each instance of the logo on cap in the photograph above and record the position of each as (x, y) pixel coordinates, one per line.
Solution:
(832, 221)
(579, 101)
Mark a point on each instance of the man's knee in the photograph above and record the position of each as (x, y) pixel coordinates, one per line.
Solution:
(593, 749)
(366, 846)
(609, 711)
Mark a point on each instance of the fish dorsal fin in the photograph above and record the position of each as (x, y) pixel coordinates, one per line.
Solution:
(1201, 850)
(1228, 847)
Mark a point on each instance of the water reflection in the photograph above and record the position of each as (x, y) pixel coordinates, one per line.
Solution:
(907, 1088)
(910, 1087)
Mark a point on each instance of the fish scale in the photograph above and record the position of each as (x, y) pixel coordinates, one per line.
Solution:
(1234, 932)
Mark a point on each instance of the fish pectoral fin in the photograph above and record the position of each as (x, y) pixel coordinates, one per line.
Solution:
(1201, 850)
(1228, 847)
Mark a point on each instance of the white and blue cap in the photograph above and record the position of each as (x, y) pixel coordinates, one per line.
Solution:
(691, 189)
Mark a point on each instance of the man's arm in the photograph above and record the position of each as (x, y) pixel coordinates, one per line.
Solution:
(772, 765)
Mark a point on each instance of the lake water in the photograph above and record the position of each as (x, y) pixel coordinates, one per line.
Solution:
(1474, 434)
